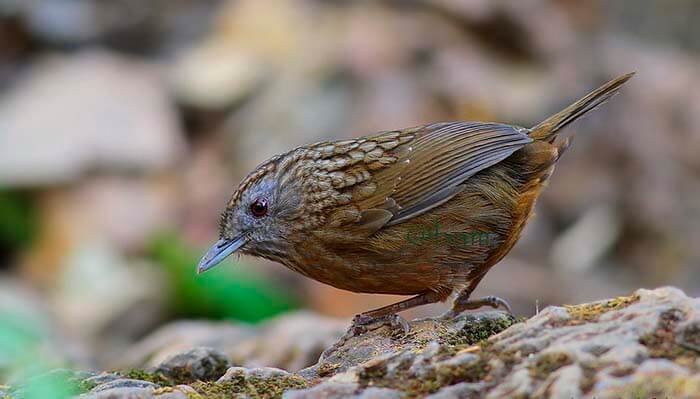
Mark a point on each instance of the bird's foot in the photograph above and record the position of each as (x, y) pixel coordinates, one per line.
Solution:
(364, 322)
(460, 306)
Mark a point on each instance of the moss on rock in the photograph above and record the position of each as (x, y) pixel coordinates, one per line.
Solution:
(144, 375)
(660, 387)
(663, 343)
(547, 363)
(473, 333)
(251, 387)
(588, 312)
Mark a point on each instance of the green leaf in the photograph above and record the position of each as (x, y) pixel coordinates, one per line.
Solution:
(227, 292)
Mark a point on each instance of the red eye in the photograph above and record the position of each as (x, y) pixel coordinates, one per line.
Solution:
(259, 208)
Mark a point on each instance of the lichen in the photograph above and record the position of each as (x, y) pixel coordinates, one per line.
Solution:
(591, 311)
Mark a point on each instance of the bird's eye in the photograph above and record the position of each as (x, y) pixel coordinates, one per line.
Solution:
(259, 207)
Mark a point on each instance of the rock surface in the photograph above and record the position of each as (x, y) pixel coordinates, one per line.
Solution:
(292, 342)
(640, 346)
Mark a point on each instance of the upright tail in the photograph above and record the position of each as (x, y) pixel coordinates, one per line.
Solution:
(548, 129)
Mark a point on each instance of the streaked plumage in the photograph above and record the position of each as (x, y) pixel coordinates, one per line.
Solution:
(341, 212)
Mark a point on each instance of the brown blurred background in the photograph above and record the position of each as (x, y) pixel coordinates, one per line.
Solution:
(126, 124)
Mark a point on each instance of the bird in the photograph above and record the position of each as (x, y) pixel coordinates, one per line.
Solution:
(423, 212)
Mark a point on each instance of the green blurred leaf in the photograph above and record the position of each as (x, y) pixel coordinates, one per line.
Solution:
(20, 351)
(227, 292)
(54, 385)
(17, 220)
(18, 336)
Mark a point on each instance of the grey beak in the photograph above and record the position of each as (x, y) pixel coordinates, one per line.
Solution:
(218, 252)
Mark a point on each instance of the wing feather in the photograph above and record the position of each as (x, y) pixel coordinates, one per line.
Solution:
(444, 156)
(391, 177)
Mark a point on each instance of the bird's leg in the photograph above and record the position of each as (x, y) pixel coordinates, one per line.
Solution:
(463, 301)
(386, 315)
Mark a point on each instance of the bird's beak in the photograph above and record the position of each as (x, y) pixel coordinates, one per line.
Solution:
(219, 251)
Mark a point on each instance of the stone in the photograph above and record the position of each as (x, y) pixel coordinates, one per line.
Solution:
(119, 119)
(641, 345)
(122, 393)
(459, 391)
(291, 342)
(261, 373)
(182, 335)
(100, 379)
(324, 390)
(197, 364)
(123, 383)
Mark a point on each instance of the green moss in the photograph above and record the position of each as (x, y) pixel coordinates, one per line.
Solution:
(159, 378)
(215, 390)
(473, 333)
(253, 387)
(143, 375)
(547, 363)
(591, 311)
(84, 386)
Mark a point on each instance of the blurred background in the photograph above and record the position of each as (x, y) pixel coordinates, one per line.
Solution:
(125, 125)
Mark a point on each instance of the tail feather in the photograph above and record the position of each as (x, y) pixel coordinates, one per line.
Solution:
(548, 129)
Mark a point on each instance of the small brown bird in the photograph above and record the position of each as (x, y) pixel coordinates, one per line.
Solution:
(425, 211)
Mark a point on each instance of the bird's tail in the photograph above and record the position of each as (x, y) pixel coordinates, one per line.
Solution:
(548, 129)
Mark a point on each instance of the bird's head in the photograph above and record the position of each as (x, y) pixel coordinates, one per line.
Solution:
(259, 219)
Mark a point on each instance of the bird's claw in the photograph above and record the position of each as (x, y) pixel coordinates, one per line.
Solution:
(490, 300)
(363, 323)
(496, 302)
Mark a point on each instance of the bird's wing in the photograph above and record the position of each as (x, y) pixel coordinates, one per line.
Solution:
(444, 157)
(391, 177)
(432, 167)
